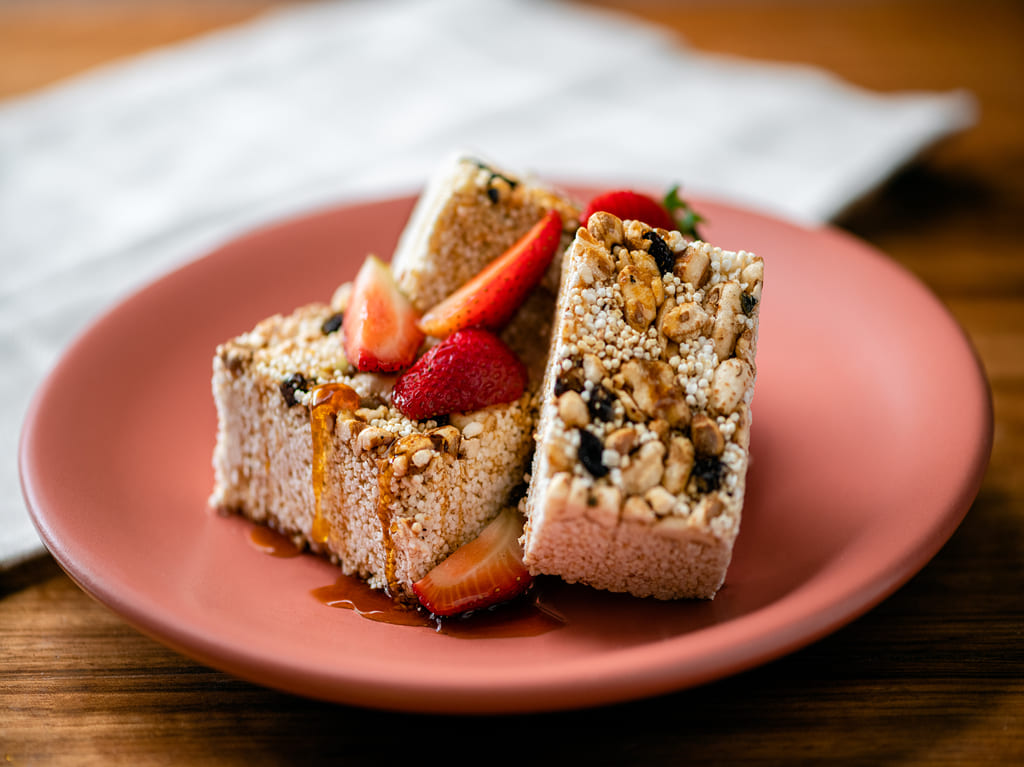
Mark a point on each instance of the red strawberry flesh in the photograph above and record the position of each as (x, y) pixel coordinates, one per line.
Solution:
(380, 323)
(469, 370)
(487, 570)
(630, 205)
(490, 299)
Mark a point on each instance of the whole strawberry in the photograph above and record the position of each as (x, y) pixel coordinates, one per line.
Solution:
(629, 205)
(469, 370)
(671, 213)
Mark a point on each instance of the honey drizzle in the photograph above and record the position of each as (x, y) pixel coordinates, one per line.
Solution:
(385, 497)
(273, 543)
(327, 401)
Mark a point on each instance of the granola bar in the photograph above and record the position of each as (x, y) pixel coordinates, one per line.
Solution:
(643, 441)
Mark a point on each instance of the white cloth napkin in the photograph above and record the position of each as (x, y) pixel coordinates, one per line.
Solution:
(112, 178)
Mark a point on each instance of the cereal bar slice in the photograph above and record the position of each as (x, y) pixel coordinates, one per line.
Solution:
(639, 475)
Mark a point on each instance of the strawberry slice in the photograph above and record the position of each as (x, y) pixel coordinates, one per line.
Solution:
(487, 570)
(470, 369)
(490, 298)
(629, 205)
(380, 323)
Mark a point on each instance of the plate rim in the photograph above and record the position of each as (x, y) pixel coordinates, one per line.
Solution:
(458, 696)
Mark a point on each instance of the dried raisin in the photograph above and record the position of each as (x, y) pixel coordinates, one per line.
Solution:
(662, 253)
(293, 383)
(708, 471)
(747, 303)
(590, 453)
(332, 323)
(601, 404)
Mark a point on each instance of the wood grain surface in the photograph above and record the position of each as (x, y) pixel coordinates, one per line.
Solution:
(934, 675)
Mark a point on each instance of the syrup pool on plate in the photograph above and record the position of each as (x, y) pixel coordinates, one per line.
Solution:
(527, 615)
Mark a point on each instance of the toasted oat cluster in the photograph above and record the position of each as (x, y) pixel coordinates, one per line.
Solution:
(639, 474)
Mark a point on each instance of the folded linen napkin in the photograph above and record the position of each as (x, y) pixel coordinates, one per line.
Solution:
(114, 177)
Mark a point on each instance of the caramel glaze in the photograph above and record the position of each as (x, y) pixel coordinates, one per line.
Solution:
(524, 616)
(327, 401)
(385, 497)
(273, 543)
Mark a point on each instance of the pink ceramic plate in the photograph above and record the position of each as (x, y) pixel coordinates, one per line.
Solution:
(861, 469)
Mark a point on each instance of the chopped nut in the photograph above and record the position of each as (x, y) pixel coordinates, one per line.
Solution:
(745, 347)
(684, 321)
(710, 506)
(640, 306)
(728, 317)
(573, 410)
(622, 440)
(413, 443)
(707, 437)
(632, 410)
(578, 492)
(678, 465)
(741, 436)
(753, 275)
(558, 488)
(654, 390)
(633, 235)
(694, 266)
(605, 508)
(645, 469)
(367, 414)
(729, 385)
(678, 528)
(559, 456)
(596, 255)
(636, 509)
(608, 500)
(660, 499)
(446, 438)
(400, 465)
(605, 229)
(660, 428)
(422, 457)
(372, 437)
(593, 369)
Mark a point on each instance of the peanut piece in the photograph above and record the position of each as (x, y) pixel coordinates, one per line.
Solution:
(606, 229)
(573, 410)
(645, 469)
(728, 316)
(694, 266)
(678, 465)
(638, 298)
(636, 509)
(655, 392)
(623, 440)
(371, 437)
(446, 439)
(729, 386)
(707, 437)
(684, 322)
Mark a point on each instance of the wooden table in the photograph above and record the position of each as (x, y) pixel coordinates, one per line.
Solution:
(935, 675)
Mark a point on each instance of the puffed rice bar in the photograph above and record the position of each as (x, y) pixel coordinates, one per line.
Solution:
(639, 475)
